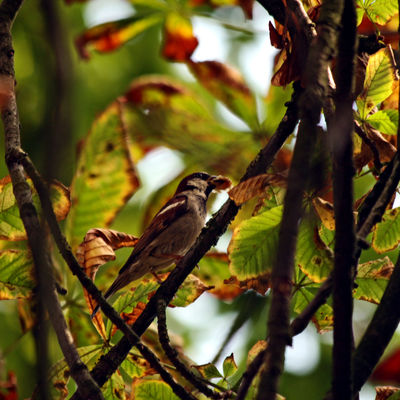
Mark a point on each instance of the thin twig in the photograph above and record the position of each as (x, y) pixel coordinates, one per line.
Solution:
(172, 354)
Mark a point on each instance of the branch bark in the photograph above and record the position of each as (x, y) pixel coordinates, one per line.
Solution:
(340, 131)
(316, 80)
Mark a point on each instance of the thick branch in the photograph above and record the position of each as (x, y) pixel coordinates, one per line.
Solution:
(316, 80)
(341, 131)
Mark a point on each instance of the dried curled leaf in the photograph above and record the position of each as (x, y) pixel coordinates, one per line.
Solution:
(255, 186)
(384, 392)
(98, 248)
(325, 211)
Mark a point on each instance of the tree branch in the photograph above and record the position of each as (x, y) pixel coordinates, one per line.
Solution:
(316, 80)
(340, 131)
(36, 235)
(208, 237)
(172, 354)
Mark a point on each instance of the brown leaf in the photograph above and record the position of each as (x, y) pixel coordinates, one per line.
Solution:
(179, 41)
(384, 392)
(96, 249)
(325, 211)
(259, 346)
(260, 284)
(255, 186)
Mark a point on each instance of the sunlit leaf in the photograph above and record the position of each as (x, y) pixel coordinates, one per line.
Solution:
(323, 318)
(312, 255)
(152, 390)
(11, 226)
(16, 274)
(386, 234)
(228, 86)
(59, 372)
(385, 121)
(161, 111)
(325, 211)
(378, 11)
(255, 186)
(114, 388)
(189, 291)
(214, 270)
(105, 178)
(179, 41)
(372, 278)
(253, 246)
(137, 367)
(229, 366)
(378, 82)
(112, 35)
(208, 371)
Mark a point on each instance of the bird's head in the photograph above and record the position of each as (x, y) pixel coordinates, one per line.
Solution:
(202, 182)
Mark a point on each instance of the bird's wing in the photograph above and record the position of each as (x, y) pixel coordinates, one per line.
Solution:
(172, 210)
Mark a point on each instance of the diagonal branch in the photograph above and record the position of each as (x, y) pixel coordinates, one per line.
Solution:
(216, 226)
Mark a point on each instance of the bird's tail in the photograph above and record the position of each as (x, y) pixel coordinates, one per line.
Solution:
(118, 284)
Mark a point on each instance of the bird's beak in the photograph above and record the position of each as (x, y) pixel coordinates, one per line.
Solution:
(219, 182)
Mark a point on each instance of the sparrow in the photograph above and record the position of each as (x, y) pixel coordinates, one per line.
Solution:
(172, 232)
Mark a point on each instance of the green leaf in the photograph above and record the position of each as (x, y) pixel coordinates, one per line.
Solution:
(153, 390)
(323, 318)
(386, 234)
(135, 366)
(189, 291)
(253, 246)
(377, 11)
(59, 372)
(105, 177)
(378, 83)
(208, 371)
(312, 255)
(372, 278)
(385, 121)
(228, 86)
(11, 226)
(114, 388)
(161, 111)
(16, 274)
(229, 366)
